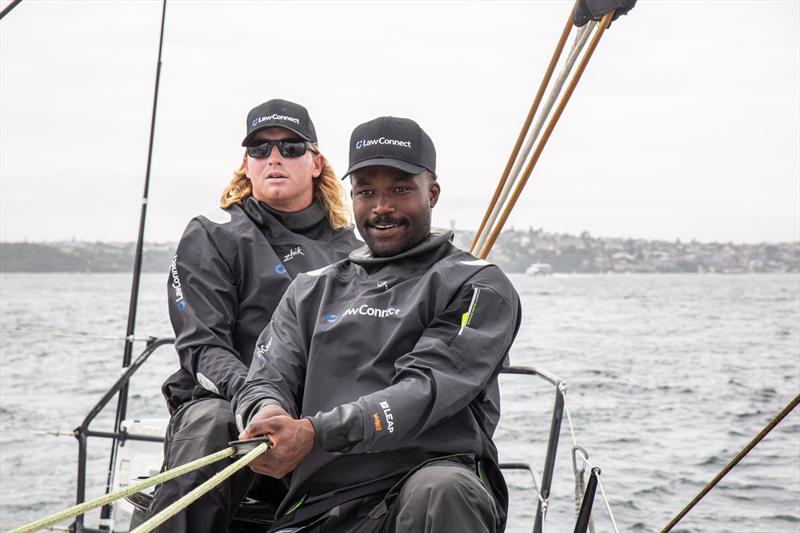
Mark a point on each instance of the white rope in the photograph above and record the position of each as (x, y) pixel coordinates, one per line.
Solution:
(41, 433)
(536, 485)
(581, 37)
(563, 392)
(79, 335)
(608, 507)
(586, 460)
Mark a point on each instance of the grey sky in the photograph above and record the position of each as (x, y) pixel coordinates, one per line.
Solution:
(686, 123)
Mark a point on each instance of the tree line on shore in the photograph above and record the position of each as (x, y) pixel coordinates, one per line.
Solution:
(514, 251)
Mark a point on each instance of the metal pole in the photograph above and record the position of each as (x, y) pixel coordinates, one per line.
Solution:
(123, 380)
(8, 8)
(550, 461)
(81, 496)
(122, 403)
(585, 514)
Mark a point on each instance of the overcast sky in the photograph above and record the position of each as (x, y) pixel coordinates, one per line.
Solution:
(685, 125)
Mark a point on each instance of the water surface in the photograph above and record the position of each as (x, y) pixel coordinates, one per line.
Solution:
(668, 377)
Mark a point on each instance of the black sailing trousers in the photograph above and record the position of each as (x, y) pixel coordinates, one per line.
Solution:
(439, 497)
(199, 428)
(443, 496)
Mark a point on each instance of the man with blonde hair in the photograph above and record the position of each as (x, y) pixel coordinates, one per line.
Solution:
(282, 214)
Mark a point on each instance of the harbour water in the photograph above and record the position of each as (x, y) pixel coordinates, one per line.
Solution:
(668, 376)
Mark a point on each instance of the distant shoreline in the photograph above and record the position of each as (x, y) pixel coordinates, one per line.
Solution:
(515, 251)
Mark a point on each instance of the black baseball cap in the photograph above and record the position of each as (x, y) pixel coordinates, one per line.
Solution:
(283, 114)
(393, 142)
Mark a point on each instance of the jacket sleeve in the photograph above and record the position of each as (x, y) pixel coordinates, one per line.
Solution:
(203, 306)
(277, 372)
(456, 356)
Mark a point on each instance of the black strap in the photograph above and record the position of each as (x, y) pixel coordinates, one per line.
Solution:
(587, 10)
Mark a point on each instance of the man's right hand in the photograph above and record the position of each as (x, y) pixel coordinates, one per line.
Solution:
(291, 440)
(268, 411)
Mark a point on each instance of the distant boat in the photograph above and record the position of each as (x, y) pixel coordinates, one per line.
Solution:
(539, 269)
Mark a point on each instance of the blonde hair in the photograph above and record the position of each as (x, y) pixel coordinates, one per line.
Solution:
(328, 191)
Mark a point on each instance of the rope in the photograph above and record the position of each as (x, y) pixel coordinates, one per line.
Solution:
(580, 41)
(739, 456)
(585, 459)
(79, 335)
(521, 137)
(579, 482)
(125, 491)
(608, 507)
(41, 433)
(534, 158)
(184, 502)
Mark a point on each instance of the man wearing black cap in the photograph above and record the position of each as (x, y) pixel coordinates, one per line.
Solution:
(376, 380)
(283, 213)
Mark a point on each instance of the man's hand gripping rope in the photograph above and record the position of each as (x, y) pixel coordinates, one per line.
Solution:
(290, 440)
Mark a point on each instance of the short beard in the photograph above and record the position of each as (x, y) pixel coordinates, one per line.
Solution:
(413, 236)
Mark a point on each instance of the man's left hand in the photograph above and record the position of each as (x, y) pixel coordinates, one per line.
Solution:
(291, 441)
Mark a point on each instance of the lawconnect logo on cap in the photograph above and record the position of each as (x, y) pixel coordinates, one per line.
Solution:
(363, 143)
(274, 116)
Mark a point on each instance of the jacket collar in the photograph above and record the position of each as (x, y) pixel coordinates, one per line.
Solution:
(435, 241)
(264, 215)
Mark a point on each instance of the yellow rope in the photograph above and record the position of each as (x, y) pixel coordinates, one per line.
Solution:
(184, 502)
(121, 493)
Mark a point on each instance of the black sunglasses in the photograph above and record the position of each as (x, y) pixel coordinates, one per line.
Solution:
(286, 147)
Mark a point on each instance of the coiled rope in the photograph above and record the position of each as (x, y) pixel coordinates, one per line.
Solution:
(739, 456)
(84, 507)
(580, 482)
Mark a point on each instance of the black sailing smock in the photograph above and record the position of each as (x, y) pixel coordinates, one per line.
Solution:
(230, 270)
(395, 362)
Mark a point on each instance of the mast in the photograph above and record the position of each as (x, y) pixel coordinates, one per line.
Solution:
(122, 402)
(8, 8)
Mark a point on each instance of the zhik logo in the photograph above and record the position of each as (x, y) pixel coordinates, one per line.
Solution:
(294, 252)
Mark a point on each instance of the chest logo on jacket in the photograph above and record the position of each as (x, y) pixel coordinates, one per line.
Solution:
(294, 252)
(363, 310)
(372, 311)
(280, 269)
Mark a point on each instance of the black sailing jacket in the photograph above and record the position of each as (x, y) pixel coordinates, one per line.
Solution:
(395, 362)
(231, 268)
